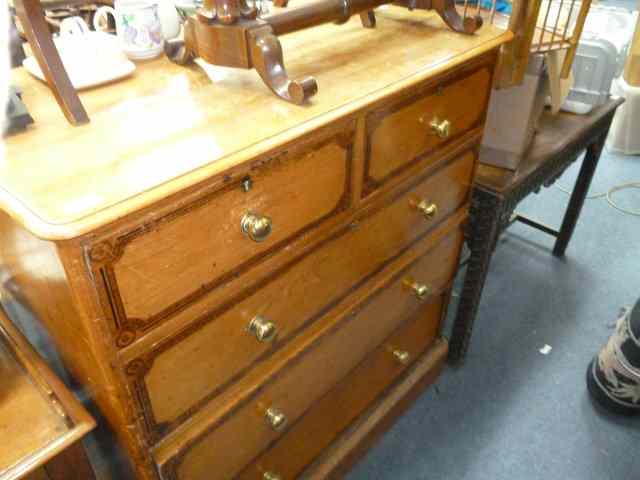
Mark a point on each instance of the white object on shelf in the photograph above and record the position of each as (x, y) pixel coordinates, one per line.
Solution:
(169, 18)
(613, 24)
(600, 57)
(623, 136)
(594, 69)
(90, 59)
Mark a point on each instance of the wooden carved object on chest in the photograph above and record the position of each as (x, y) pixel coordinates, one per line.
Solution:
(229, 33)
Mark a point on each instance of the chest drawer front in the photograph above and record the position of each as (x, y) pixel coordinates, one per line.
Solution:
(399, 134)
(156, 270)
(190, 369)
(254, 425)
(336, 412)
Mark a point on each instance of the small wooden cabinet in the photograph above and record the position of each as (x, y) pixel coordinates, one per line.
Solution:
(251, 289)
(41, 423)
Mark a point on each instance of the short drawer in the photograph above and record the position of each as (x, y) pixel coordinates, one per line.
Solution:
(183, 372)
(345, 404)
(154, 271)
(342, 346)
(401, 133)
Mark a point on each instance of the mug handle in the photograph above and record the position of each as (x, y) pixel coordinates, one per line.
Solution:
(73, 26)
(101, 17)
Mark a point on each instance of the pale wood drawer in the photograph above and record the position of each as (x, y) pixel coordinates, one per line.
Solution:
(314, 372)
(401, 133)
(157, 269)
(183, 372)
(340, 408)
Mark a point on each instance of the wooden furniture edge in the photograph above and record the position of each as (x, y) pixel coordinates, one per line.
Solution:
(300, 249)
(43, 229)
(69, 407)
(602, 115)
(353, 445)
(214, 413)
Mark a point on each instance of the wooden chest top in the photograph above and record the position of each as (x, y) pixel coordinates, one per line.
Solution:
(169, 127)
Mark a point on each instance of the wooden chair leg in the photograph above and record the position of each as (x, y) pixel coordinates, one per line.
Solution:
(35, 28)
(368, 19)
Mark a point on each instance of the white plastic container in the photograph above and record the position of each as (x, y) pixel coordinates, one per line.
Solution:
(600, 57)
(594, 69)
(624, 136)
(616, 25)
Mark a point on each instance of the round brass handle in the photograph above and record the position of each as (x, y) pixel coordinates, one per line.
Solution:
(402, 356)
(276, 419)
(420, 290)
(271, 476)
(427, 208)
(263, 329)
(442, 128)
(256, 227)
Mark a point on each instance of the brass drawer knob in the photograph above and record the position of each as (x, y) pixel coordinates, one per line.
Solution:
(420, 290)
(276, 419)
(263, 329)
(426, 208)
(271, 476)
(256, 227)
(441, 128)
(402, 356)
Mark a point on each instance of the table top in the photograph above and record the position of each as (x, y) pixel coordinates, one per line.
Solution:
(169, 127)
(555, 134)
(37, 413)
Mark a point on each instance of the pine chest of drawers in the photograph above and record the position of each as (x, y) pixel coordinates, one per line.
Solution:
(251, 289)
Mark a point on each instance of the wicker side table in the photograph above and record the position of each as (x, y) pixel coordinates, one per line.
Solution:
(560, 141)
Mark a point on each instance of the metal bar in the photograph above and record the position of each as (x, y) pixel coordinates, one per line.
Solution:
(466, 7)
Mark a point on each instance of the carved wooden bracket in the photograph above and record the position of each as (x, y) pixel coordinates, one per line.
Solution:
(267, 59)
(228, 33)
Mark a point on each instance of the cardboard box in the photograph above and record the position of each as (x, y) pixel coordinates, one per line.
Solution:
(513, 116)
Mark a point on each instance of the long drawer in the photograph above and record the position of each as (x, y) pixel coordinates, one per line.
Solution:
(156, 270)
(188, 370)
(337, 411)
(264, 418)
(400, 133)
